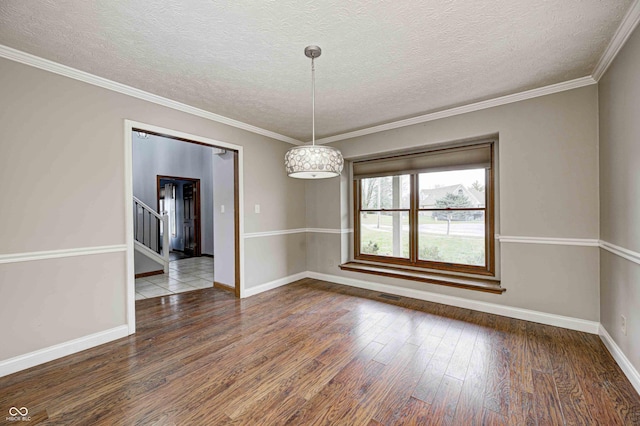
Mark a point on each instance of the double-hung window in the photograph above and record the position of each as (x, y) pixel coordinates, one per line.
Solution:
(431, 209)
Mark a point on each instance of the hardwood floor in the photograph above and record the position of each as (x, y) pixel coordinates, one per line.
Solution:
(320, 353)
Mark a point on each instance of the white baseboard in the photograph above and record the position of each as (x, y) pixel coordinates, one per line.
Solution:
(31, 359)
(629, 370)
(41, 356)
(492, 308)
(252, 291)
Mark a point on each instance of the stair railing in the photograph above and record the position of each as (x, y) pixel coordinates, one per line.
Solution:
(147, 224)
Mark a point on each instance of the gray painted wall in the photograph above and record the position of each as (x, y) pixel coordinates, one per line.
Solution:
(158, 155)
(55, 129)
(547, 178)
(548, 187)
(619, 91)
(46, 302)
(143, 263)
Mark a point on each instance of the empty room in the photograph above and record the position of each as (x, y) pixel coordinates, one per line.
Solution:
(349, 213)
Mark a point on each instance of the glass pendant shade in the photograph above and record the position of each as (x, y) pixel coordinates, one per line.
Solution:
(313, 162)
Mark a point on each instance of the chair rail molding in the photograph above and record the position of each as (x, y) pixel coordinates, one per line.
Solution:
(56, 68)
(630, 255)
(56, 254)
(298, 231)
(587, 242)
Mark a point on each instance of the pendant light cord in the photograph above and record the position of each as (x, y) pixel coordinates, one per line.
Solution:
(313, 103)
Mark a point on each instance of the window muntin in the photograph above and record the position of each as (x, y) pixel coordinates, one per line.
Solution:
(440, 218)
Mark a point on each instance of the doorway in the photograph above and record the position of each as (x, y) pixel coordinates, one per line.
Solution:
(179, 198)
(229, 206)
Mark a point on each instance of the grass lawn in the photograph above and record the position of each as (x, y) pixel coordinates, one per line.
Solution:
(463, 249)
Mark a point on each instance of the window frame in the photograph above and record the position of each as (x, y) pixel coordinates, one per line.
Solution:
(414, 210)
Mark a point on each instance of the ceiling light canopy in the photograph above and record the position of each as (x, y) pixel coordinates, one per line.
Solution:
(311, 161)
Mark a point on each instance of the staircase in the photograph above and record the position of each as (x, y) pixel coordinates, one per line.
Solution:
(151, 234)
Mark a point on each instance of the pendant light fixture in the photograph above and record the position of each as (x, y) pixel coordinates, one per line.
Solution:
(313, 161)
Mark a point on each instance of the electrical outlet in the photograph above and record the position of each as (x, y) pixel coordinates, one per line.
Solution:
(222, 208)
(623, 324)
(257, 208)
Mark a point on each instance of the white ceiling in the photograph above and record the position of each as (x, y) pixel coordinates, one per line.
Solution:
(382, 60)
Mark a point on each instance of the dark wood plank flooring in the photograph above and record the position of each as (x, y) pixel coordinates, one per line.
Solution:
(319, 353)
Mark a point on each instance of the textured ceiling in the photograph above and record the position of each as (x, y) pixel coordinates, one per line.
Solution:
(381, 61)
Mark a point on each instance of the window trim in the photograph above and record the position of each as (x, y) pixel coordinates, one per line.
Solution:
(489, 269)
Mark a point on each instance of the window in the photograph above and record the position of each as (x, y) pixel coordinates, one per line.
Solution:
(168, 206)
(432, 210)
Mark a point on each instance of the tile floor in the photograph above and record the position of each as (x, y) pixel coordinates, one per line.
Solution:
(184, 275)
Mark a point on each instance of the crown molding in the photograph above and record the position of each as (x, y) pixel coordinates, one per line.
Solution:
(56, 68)
(477, 106)
(628, 24)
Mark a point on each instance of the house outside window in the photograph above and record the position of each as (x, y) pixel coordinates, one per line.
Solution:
(431, 210)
